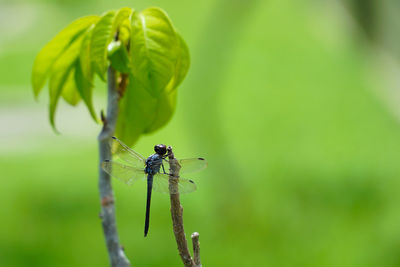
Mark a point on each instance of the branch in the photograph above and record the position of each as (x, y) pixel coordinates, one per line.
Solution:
(196, 248)
(115, 251)
(177, 216)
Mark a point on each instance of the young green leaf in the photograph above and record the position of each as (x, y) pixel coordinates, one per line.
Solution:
(124, 31)
(103, 33)
(59, 74)
(141, 113)
(121, 18)
(160, 61)
(119, 57)
(136, 109)
(84, 55)
(154, 49)
(163, 111)
(101, 37)
(52, 50)
(84, 73)
(85, 89)
(69, 91)
(182, 65)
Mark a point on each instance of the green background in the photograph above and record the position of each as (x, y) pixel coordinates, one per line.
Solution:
(286, 101)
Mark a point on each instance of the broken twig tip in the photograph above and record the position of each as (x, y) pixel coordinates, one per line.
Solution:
(195, 235)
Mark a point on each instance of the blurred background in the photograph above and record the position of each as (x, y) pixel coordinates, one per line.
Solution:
(295, 104)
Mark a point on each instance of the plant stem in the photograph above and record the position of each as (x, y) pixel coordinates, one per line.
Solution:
(196, 248)
(177, 216)
(115, 251)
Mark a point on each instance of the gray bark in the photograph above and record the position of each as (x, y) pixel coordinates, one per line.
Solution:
(115, 251)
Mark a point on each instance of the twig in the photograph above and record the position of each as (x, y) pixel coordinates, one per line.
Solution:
(177, 215)
(196, 248)
(115, 251)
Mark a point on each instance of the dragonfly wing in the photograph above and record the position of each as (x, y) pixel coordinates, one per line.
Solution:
(190, 165)
(125, 153)
(161, 184)
(124, 173)
(185, 186)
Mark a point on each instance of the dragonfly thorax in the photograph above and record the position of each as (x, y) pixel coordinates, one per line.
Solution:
(153, 164)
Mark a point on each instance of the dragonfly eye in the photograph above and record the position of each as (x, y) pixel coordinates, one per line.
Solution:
(160, 149)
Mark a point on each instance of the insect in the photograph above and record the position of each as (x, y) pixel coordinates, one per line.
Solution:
(129, 166)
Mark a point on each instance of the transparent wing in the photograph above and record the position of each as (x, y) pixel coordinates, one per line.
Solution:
(123, 152)
(124, 173)
(189, 165)
(161, 184)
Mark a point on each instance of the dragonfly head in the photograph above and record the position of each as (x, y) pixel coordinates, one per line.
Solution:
(160, 149)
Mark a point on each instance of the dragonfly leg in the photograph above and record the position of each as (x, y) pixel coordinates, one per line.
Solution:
(162, 165)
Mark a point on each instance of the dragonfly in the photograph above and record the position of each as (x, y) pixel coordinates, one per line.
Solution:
(129, 166)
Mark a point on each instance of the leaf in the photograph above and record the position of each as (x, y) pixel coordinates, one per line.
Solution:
(125, 30)
(101, 37)
(60, 72)
(69, 90)
(84, 73)
(122, 19)
(85, 89)
(160, 61)
(154, 49)
(142, 113)
(103, 34)
(53, 49)
(84, 55)
(135, 108)
(182, 65)
(167, 101)
(119, 57)
(164, 110)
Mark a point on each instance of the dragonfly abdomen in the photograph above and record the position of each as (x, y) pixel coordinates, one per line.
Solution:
(147, 219)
